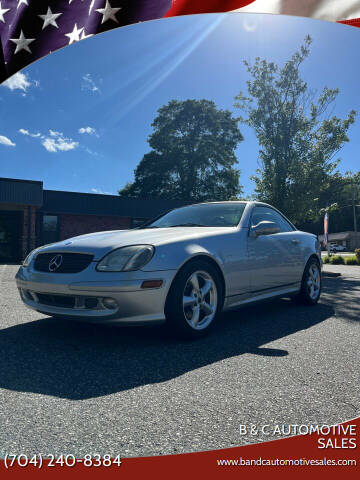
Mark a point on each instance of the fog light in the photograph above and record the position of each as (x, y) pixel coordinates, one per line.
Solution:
(29, 295)
(110, 303)
(91, 302)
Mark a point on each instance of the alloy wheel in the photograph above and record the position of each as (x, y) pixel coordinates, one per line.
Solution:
(200, 300)
(313, 283)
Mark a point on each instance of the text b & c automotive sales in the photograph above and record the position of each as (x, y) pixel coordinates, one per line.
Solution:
(330, 436)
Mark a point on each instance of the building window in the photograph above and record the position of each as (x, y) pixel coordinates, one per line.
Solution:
(137, 222)
(50, 229)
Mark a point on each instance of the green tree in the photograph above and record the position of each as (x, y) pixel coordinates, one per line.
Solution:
(193, 154)
(297, 134)
(342, 200)
(338, 200)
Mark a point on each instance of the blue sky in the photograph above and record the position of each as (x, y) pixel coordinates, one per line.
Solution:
(79, 118)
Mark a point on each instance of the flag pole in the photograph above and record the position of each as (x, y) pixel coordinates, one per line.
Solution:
(326, 230)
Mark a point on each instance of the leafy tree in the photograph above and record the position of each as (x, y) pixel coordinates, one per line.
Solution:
(193, 154)
(338, 200)
(297, 134)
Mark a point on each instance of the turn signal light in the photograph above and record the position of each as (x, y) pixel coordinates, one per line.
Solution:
(151, 284)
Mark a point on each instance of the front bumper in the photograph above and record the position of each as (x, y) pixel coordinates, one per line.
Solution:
(85, 295)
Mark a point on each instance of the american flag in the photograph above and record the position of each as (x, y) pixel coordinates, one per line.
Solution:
(31, 29)
(326, 228)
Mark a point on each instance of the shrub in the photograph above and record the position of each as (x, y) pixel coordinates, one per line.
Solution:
(357, 253)
(326, 259)
(336, 260)
(353, 260)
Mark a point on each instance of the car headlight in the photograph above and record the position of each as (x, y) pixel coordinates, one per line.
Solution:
(126, 259)
(30, 257)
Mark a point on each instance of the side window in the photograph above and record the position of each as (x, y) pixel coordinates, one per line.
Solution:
(261, 214)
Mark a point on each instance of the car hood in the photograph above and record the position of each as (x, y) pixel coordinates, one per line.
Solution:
(101, 243)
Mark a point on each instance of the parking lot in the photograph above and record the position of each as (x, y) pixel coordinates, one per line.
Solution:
(79, 389)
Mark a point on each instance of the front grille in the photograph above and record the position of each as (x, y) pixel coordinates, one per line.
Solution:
(56, 300)
(70, 262)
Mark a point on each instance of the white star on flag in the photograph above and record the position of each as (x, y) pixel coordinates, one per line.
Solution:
(91, 6)
(2, 13)
(22, 43)
(50, 18)
(74, 36)
(20, 2)
(108, 12)
(83, 35)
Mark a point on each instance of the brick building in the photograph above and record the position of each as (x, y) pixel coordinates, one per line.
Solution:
(31, 216)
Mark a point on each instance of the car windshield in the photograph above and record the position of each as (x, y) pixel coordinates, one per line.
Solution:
(202, 215)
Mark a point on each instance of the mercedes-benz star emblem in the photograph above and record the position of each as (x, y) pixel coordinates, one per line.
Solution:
(55, 263)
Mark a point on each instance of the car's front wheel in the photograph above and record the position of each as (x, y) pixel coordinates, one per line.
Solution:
(311, 284)
(195, 300)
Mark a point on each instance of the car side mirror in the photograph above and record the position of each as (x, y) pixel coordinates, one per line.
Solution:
(265, 228)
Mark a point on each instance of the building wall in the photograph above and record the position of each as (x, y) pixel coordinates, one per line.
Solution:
(73, 225)
(25, 234)
(32, 228)
(354, 241)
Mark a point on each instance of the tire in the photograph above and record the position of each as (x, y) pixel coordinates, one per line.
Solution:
(194, 302)
(311, 284)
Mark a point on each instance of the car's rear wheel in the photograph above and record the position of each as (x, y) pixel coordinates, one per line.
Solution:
(195, 300)
(311, 284)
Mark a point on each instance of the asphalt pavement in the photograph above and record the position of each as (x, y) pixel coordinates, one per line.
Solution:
(68, 388)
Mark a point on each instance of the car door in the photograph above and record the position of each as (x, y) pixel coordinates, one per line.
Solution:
(274, 259)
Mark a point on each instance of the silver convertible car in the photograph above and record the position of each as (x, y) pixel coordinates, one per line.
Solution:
(183, 268)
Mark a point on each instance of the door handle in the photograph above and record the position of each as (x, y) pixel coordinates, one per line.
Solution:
(295, 241)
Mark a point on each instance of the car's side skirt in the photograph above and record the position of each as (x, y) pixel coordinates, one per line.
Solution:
(245, 299)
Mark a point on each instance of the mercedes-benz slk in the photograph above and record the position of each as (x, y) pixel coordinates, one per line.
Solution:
(182, 269)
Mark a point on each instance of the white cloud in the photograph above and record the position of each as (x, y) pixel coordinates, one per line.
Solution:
(20, 81)
(57, 142)
(98, 190)
(89, 130)
(53, 141)
(54, 133)
(6, 141)
(26, 132)
(91, 152)
(89, 84)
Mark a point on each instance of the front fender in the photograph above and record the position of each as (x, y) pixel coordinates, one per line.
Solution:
(173, 257)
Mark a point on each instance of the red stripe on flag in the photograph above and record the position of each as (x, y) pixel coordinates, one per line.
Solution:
(354, 23)
(188, 7)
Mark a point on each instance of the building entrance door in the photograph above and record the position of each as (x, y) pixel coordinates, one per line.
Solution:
(10, 236)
